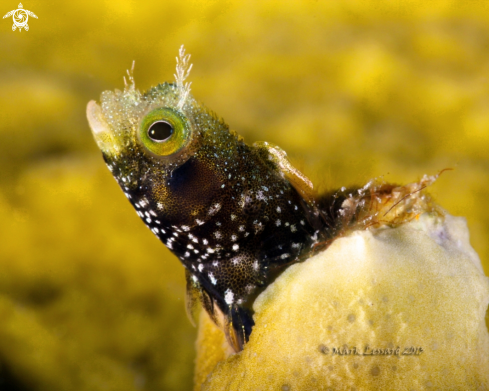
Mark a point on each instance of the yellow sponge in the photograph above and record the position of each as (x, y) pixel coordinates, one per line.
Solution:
(386, 309)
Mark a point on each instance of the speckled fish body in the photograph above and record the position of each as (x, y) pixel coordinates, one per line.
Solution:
(235, 215)
(227, 210)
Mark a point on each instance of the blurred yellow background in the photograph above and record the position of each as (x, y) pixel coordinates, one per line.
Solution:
(89, 299)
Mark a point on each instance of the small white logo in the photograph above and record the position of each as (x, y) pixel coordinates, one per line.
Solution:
(20, 17)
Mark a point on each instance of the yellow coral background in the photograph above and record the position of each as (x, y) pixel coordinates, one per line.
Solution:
(89, 299)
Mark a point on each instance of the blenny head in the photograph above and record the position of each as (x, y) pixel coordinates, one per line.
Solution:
(235, 215)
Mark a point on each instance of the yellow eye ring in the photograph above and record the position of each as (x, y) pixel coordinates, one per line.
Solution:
(164, 131)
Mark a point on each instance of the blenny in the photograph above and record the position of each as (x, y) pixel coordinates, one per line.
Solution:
(235, 215)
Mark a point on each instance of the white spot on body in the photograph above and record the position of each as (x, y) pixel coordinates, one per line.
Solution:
(278, 209)
(258, 226)
(315, 236)
(229, 296)
(249, 288)
(235, 247)
(201, 267)
(278, 223)
(213, 279)
(214, 209)
(260, 196)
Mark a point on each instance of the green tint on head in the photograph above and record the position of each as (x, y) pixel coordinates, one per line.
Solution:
(164, 131)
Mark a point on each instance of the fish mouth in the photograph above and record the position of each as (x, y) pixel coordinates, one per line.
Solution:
(105, 138)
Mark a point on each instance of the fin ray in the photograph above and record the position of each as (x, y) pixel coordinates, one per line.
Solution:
(192, 298)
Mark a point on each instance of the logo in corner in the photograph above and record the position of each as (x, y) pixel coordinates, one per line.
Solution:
(20, 17)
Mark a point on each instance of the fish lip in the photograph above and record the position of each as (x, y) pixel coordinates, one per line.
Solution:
(95, 118)
(101, 131)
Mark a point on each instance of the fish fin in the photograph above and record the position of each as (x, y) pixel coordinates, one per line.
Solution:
(192, 298)
(208, 303)
(237, 328)
(236, 323)
(297, 179)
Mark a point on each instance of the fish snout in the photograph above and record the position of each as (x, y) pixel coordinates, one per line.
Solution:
(105, 138)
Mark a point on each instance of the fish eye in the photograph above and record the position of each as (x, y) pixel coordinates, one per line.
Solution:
(164, 131)
(160, 131)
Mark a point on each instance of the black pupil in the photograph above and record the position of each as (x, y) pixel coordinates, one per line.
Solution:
(160, 131)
